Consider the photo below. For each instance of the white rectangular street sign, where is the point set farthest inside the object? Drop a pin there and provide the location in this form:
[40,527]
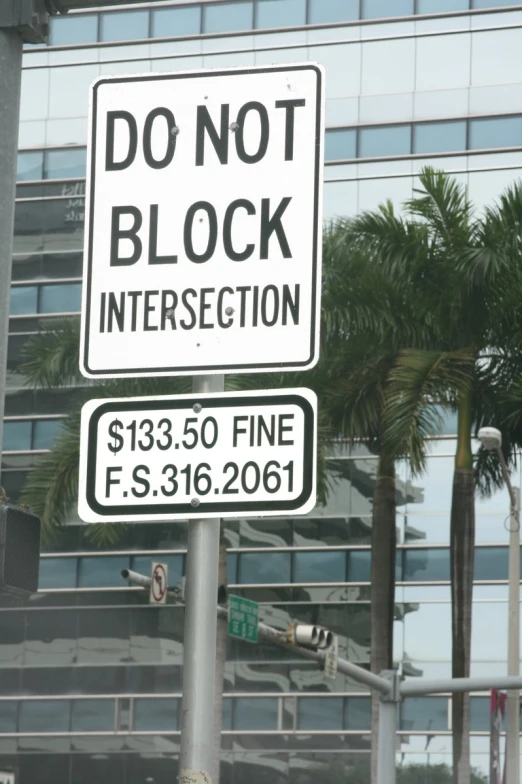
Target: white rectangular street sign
[211,455]
[203,222]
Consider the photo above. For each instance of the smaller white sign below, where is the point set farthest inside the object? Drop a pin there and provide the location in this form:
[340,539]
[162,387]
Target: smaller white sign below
[331,658]
[159,584]
[224,454]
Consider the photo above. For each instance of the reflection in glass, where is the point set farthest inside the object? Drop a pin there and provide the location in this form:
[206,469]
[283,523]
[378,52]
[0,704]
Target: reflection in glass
[16,436]
[44,716]
[29,166]
[62,298]
[424,713]
[92,716]
[24,299]
[439,137]
[385,140]
[441,6]
[358,713]
[359,566]
[73,29]
[255,713]
[495,132]
[333,11]
[228,17]
[176,21]
[156,714]
[60,164]
[280,13]
[8,716]
[376,9]
[45,432]
[98,572]
[57,573]
[320,713]
[340,144]
[491,563]
[124,25]
[426,565]
[264,568]
[320,567]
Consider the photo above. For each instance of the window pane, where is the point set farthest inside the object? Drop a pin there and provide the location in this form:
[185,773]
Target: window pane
[143,564]
[23,300]
[227,17]
[479,714]
[424,713]
[390,140]
[495,132]
[124,26]
[255,714]
[45,432]
[65,163]
[439,137]
[176,21]
[8,716]
[340,144]
[359,566]
[226,717]
[156,715]
[358,713]
[333,11]
[66,298]
[44,716]
[264,568]
[98,572]
[491,563]
[17,435]
[320,567]
[92,716]
[57,573]
[441,6]
[493,3]
[320,713]
[280,13]
[376,9]
[232,567]
[420,565]
[29,166]
[80,29]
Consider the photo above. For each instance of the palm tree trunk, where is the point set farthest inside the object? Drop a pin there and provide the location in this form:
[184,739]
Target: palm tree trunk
[221,657]
[382,591]
[462,543]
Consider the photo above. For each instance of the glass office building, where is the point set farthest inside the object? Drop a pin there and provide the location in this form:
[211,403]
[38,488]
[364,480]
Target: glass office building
[90,674]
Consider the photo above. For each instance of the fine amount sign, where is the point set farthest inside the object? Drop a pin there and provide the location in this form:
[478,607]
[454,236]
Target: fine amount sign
[202,243]
[211,455]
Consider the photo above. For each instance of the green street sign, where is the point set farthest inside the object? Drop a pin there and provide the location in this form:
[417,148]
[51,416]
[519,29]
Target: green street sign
[243,618]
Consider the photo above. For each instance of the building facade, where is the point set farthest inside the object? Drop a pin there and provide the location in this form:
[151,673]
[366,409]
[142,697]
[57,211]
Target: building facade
[90,673]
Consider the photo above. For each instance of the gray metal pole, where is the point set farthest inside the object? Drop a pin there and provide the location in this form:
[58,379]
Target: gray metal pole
[387,736]
[11,46]
[513,663]
[199,657]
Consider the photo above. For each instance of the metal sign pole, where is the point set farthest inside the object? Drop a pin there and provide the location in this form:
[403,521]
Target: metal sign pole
[199,656]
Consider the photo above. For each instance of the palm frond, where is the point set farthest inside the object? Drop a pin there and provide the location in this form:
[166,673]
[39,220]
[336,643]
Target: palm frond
[51,358]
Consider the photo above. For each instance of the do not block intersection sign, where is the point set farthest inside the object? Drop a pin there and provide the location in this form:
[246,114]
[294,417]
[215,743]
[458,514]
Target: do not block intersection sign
[203,222]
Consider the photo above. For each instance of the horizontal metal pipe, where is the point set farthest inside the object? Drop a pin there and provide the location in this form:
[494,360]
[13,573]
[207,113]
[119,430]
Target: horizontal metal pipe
[416,686]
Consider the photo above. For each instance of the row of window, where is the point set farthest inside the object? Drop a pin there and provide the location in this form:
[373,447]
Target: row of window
[242,714]
[46,298]
[262,568]
[227,17]
[423,138]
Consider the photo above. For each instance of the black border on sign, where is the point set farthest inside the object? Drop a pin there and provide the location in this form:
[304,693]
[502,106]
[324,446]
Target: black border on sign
[230,368]
[228,508]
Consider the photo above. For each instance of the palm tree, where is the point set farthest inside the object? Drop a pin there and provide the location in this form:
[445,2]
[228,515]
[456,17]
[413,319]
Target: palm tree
[464,270]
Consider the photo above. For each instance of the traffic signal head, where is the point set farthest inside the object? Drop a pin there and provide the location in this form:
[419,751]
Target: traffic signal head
[19,551]
[311,636]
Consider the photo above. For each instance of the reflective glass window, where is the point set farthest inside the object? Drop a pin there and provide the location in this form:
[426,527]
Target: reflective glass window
[156,714]
[226,716]
[491,563]
[424,713]
[255,713]
[227,17]
[426,565]
[320,713]
[232,567]
[320,567]
[24,299]
[340,144]
[66,298]
[124,26]
[16,436]
[57,573]
[359,566]
[45,432]
[264,568]
[386,140]
[495,132]
[73,29]
[441,6]
[357,713]
[377,9]
[333,11]
[493,3]
[439,137]
[479,714]
[8,716]
[176,21]
[98,572]
[92,716]
[280,13]
[44,716]
[29,166]
[60,164]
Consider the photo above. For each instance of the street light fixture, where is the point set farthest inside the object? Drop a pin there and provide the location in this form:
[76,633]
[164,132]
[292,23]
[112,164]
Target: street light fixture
[491,439]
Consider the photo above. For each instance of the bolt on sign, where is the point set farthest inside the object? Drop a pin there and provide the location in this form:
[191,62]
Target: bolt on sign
[243,618]
[203,236]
